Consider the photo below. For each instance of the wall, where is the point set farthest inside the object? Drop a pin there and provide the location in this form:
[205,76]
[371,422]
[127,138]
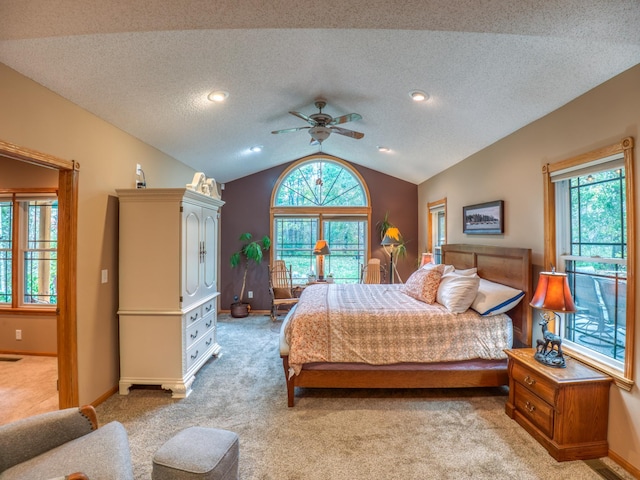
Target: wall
[33,117]
[38,331]
[247,210]
[511,170]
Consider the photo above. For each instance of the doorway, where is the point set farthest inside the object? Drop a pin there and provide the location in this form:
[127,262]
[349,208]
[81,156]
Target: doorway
[66,313]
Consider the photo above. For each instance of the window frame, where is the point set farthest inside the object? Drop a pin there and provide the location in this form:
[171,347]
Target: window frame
[321,213]
[625,147]
[19,227]
[433,228]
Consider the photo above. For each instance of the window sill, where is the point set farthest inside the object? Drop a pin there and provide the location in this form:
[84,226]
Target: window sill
[33,312]
[619,379]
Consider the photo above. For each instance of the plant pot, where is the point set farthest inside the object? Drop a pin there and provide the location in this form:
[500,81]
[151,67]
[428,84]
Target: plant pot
[240,309]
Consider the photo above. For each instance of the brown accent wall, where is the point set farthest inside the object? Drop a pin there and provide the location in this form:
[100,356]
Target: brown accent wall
[247,210]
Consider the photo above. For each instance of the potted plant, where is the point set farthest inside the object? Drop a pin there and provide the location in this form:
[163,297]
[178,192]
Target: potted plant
[250,252]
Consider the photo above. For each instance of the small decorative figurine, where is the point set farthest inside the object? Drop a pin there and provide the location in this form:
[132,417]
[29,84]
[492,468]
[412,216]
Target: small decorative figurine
[549,348]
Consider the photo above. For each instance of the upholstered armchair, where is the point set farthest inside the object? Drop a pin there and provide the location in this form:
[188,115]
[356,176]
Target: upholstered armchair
[64,444]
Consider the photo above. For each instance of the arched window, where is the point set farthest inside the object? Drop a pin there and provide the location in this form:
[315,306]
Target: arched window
[321,197]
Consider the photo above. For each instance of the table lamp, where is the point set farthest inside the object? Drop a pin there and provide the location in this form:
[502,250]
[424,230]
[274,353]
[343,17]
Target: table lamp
[321,249]
[391,239]
[427,258]
[552,295]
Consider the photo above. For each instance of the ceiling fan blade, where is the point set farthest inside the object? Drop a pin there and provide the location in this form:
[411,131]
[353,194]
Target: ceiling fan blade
[304,117]
[287,130]
[348,133]
[350,117]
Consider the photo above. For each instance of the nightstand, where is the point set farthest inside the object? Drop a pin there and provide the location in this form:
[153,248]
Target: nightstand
[565,409]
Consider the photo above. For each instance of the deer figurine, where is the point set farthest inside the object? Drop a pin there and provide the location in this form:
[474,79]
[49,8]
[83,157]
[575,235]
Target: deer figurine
[549,348]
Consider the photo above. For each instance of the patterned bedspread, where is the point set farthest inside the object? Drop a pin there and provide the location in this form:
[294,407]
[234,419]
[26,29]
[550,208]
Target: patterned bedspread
[380,325]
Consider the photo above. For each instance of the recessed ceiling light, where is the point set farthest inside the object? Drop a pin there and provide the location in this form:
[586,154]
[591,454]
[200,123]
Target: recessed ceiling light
[418,96]
[256,148]
[218,96]
[383,149]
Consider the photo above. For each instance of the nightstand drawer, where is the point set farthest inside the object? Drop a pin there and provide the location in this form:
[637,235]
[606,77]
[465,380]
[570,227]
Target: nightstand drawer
[535,382]
[536,410]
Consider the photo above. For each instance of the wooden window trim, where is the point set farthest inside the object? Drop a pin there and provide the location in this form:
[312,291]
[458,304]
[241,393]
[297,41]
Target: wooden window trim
[625,147]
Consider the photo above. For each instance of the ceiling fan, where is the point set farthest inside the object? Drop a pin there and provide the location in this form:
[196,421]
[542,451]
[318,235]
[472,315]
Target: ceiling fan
[321,124]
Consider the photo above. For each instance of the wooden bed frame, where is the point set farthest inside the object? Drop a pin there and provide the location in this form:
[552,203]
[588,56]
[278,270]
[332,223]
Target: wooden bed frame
[509,266]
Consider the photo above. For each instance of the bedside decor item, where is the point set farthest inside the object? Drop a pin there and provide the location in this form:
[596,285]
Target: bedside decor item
[427,258]
[483,218]
[251,251]
[321,249]
[391,239]
[552,295]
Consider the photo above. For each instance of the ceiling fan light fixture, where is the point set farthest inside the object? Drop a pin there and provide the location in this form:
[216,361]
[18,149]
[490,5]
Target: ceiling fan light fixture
[218,96]
[418,96]
[319,133]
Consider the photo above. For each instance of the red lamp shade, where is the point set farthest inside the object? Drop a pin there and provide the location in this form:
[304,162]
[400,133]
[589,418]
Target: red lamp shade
[553,293]
[426,258]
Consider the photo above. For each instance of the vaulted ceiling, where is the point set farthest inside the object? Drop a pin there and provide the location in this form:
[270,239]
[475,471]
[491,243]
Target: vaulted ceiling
[490,67]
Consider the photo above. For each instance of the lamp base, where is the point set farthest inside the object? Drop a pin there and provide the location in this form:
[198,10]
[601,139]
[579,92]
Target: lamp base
[551,359]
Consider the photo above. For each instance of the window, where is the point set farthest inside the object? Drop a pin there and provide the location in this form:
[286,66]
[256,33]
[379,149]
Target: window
[321,198]
[437,228]
[28,250]
[590,198]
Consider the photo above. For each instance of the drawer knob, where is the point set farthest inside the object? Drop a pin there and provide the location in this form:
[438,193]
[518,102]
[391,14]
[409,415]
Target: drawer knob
[194,318]
[208,342]
[208,308]
[530,407]
[194,335]
[529,381]
[209,324]
[194,355]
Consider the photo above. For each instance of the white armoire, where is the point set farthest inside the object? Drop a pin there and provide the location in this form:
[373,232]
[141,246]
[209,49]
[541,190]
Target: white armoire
[168,286]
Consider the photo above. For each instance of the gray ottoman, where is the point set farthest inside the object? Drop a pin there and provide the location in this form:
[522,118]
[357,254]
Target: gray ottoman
[198,453]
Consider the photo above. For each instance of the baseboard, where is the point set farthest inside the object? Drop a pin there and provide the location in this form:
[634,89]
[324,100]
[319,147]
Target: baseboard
[624,464]
[35,354]
[104,396]
[262,312]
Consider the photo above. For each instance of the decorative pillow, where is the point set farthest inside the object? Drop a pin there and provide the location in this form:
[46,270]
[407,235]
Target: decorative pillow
[447,268]
[423,283]
[279,293]
[494,298]
[457,292]
[468,271]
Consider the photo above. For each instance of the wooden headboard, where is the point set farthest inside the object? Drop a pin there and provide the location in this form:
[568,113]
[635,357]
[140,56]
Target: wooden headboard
[509,266]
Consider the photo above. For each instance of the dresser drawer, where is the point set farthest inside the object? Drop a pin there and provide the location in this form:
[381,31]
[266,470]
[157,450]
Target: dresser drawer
[195,331]
[538,384]
[200,349]
[535,409]
[208,307]
[193,315]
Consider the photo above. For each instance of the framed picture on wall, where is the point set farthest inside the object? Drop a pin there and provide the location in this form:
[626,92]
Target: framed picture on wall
[483,218]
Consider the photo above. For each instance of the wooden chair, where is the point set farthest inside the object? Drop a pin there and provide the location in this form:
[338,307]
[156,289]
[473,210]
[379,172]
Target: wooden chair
[372,272]
[280,287]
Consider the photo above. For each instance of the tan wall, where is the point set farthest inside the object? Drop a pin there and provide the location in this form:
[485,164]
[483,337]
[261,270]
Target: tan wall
[38,333]
[511,170]
[33,117]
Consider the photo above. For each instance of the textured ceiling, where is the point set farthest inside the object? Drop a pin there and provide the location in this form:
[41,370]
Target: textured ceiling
[490,66]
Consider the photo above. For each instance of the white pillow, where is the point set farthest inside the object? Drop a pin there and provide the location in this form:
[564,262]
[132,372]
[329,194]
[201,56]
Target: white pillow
[457,292]
[494,298]
[447,268]
[468,271]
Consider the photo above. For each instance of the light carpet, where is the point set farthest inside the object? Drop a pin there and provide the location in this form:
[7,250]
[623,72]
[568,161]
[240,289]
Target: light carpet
[335,434]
